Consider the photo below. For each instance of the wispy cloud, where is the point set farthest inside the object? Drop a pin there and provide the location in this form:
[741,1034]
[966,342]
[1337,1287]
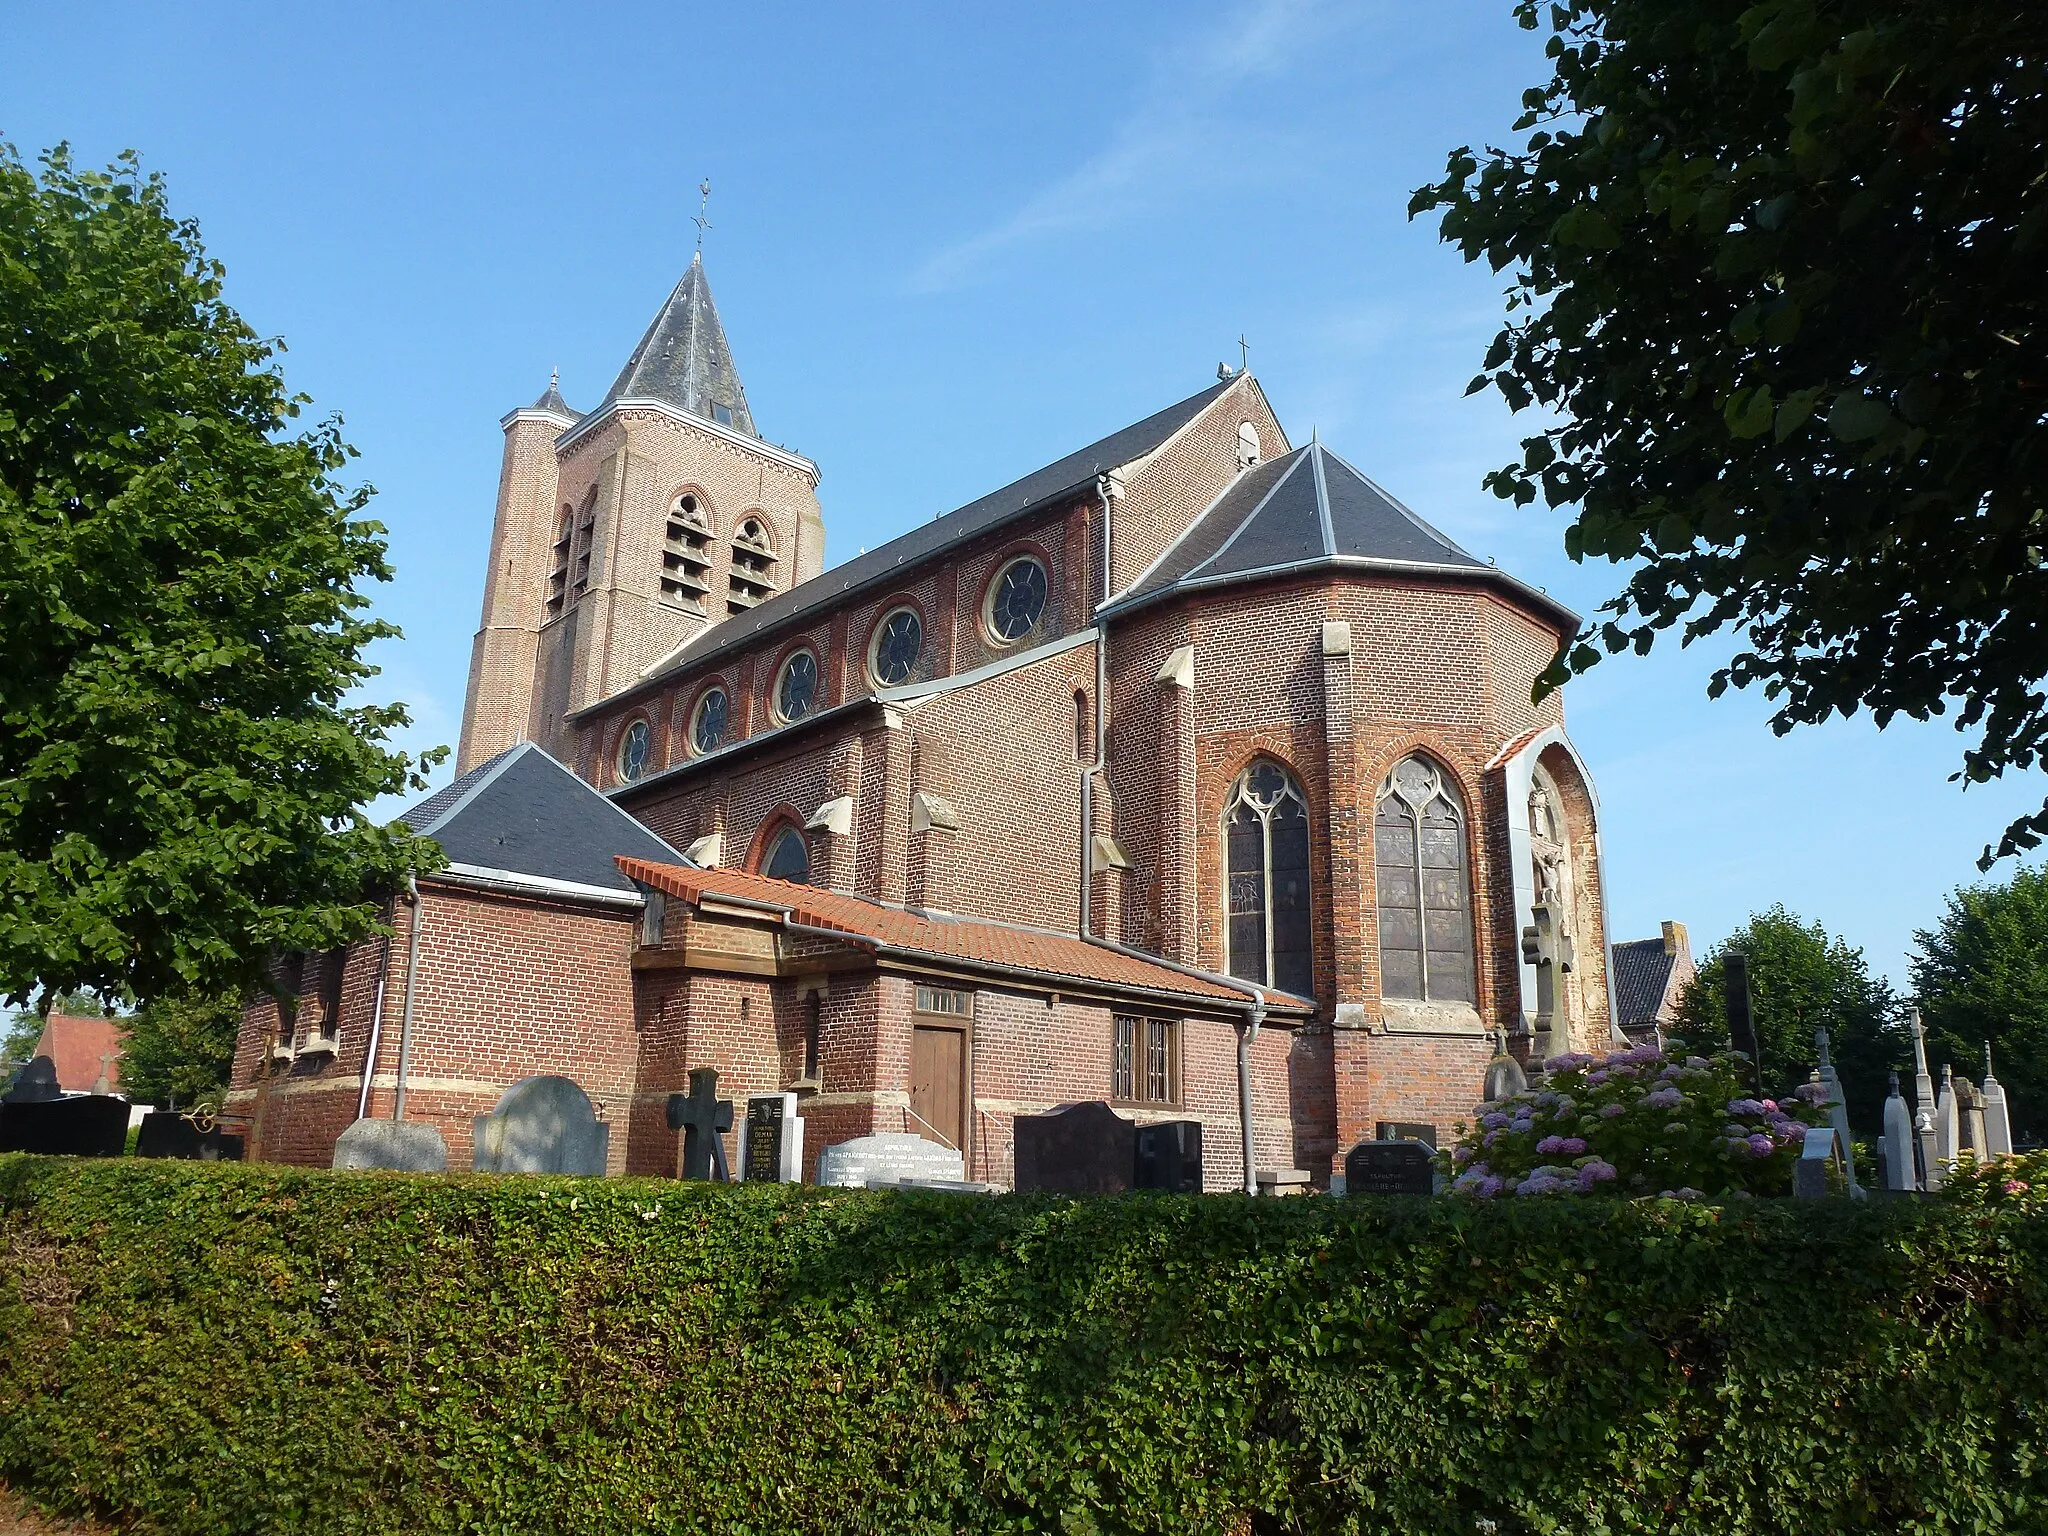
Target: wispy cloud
[1181,125]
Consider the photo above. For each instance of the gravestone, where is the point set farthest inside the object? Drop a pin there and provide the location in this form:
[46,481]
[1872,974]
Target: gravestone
[889,1158]
[1896,1145]
[1169,1156]
[404,1146]
[90,1125]
[1083,1149]
[1504,1079]
[35,1083]
[1817,1156]
[703,1118]
[1389,1168]
[1405,1130]
[542,1124]
[171,1133]
[772,1146]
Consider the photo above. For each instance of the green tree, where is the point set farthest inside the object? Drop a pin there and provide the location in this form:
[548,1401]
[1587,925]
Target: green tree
[1776,276]
[180,777]
[1801,979]
[1981,976]
[177,1050]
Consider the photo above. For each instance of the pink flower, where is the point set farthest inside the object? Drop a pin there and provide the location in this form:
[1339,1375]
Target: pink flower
[1762,1145]
[2017,1186]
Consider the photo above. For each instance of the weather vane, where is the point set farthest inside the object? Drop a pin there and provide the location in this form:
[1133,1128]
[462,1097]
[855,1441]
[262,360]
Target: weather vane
[699,218]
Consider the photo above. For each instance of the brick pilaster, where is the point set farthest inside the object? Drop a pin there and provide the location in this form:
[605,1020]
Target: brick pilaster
[1177,884]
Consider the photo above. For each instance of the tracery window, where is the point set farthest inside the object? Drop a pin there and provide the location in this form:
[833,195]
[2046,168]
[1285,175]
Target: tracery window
[633,750]
[899,640]
[1425,890]
[707,723]
[796,687]
[1016,600]
[1265,835]
[789,857]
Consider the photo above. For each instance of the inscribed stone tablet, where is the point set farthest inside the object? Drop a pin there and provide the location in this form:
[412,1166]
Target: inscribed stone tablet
[1389,1168]
[404,1145]
[542,1125]
[886,1158]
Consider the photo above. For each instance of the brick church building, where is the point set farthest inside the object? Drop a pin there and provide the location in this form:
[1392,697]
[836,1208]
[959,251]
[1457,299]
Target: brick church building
[1192,772]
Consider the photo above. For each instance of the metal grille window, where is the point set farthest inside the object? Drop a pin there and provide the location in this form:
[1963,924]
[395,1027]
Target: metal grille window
[707,725]
[796,688]
[1266,864]
[1425,893]
[898,643]
[1142,1068]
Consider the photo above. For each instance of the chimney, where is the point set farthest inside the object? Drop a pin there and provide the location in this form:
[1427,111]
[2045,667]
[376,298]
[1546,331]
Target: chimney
[1675,941]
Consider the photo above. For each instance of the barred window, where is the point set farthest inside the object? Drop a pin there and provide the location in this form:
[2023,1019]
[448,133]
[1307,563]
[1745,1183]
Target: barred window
[796,687]
[1144,1060]
[898,642]
[1425,891]
[1265,834]
[707,724]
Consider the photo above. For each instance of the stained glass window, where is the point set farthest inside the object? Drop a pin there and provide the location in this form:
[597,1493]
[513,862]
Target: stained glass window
[1016,600]
[789,857]
[898,644]
[1425,892]
[796,690]
[633,750]
[1266,874]
[707,728]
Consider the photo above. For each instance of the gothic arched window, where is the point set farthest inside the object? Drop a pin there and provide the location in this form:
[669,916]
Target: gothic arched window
[1265,848]
[789,857]
[1425,892]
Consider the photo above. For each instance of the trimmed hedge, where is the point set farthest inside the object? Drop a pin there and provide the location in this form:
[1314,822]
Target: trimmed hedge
[216,1348]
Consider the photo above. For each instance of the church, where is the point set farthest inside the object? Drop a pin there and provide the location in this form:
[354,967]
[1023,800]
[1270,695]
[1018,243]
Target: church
[1191,772]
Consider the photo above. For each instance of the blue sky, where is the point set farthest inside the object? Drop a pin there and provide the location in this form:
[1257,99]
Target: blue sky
[949,244]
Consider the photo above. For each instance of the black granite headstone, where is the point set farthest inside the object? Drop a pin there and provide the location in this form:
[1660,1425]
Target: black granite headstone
[1169,1156]
[167,1133]
[1389,1168]
[1084,1149]
[91,1125]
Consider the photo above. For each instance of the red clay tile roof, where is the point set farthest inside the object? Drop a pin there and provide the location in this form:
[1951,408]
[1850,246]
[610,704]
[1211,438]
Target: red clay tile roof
[76,1046]
[971,941]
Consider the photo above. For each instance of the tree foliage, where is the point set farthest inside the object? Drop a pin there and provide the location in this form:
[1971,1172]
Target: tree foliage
[180,777]
[177,1050]
[1801,978]
[1980,976]
[1777,272]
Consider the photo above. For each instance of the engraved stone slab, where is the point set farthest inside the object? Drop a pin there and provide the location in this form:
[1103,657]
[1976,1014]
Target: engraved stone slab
[404,1145]
[772,1145]
[889,1158]
[1389,1168]
[542,1125]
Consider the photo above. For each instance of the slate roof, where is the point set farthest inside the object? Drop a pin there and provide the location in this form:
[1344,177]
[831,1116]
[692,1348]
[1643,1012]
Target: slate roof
[887,562]
[75,1046]
[1642,970]
[683,359]
[968,942]
[525,814]
[1310,510]
[551,400]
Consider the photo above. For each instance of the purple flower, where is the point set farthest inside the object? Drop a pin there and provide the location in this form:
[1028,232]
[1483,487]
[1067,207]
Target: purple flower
[1762,1145]
[1490,1186]
[1540,1183]
[1698,1063]
[1813,1093]
[1490,1137]
[1494,1121]
[1625,1069]
[1611,1111]
[1670,1073]
[1571,1146]
[1550,1145]
[1746,1107]
[1461,1154]
[1686,1192]
[1666,1097]
[1595,1079]
[1594,1171]
[1564,1106]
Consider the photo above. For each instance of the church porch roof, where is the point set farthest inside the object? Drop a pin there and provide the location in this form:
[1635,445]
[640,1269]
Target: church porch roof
[971,944]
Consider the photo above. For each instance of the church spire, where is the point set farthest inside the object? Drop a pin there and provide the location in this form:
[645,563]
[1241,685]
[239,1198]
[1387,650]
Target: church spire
[683,359]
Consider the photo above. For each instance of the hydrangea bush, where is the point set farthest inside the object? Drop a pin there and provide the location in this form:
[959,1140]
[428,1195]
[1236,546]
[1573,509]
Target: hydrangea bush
[1645,1121]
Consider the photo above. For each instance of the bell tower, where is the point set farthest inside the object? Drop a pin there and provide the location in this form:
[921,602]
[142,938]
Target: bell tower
[625,533]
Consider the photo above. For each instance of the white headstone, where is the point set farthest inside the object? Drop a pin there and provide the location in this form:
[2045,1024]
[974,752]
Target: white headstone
[888,1158]
[772,1140]
[405,1145]
[1838,1112]
[1997,1119]
[543,1124]
[1816,1156]
[1898,1142]
[1925,1137]
[1948,1124]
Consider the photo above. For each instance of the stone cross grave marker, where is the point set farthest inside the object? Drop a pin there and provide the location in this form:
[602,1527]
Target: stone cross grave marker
[772,1146]
[703,1118]
[887,1159]
[1389,1168]
[1083,1149]
[543,1124]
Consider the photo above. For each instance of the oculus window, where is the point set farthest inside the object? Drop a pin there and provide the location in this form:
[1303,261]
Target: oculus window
[1265,848]
[1016,600]
[633,750]
[796,687]
[899,641]
[707,724]
[789,857]
[1425,890]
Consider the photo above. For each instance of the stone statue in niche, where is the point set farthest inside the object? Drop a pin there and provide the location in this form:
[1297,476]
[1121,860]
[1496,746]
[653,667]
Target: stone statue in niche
[1556,916]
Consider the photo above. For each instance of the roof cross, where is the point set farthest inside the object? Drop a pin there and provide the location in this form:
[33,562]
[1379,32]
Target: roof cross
[700,217]
[1244,354]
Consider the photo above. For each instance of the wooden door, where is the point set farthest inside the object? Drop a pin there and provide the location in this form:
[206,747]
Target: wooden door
[938,1084]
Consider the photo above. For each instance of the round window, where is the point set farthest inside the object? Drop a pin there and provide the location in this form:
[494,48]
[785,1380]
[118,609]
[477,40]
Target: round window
[796,687]
[789,857]
[633,750]
[707,726]
[1016,600]
[898,643]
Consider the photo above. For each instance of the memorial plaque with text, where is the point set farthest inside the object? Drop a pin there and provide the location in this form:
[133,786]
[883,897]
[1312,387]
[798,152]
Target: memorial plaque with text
[1389,1168]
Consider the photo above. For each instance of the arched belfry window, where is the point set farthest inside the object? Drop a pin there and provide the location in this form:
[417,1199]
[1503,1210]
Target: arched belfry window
[752,577]
[1265,847]
[1425,889]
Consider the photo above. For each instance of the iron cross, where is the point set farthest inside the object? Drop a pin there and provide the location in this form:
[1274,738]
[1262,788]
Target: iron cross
[699,218]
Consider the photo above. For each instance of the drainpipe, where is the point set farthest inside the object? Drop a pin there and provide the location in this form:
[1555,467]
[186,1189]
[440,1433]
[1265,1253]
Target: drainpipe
[412,977]
[376,1029]
[1091,769]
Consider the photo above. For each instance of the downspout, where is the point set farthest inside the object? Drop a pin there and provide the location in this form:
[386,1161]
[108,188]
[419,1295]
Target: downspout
[376,1028]
[1090,769]
[412,977]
